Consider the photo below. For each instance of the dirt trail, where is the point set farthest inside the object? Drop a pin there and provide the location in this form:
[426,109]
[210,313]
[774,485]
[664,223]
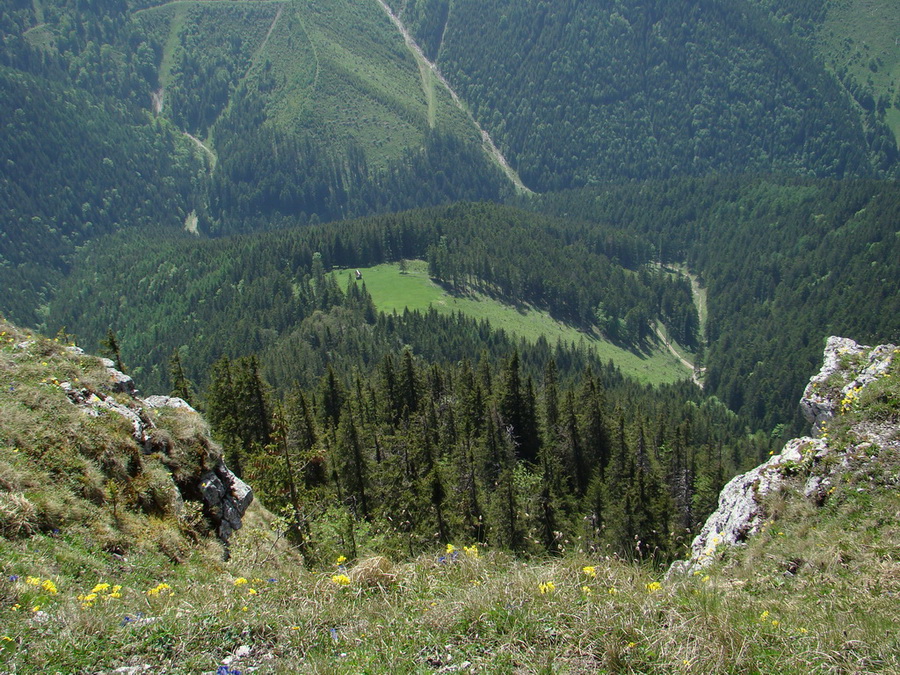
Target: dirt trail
[265,41]
[695,378]
[209,153]
[487,141]
[698,294]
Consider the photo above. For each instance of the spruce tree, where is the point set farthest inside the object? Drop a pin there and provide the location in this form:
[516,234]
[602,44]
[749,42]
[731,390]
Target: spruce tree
[182,387]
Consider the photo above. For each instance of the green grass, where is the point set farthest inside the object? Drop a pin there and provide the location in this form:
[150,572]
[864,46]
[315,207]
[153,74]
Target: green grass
[342,71]
[479,614]
[860,35]
[393,291]
[814,592]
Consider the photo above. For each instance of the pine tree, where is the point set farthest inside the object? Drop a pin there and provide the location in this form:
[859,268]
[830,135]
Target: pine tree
[221,410]
[254,424]
[332,395]
[594,434]
[109,347]
[517,411]
[352,466]
[408,386]
[182,387]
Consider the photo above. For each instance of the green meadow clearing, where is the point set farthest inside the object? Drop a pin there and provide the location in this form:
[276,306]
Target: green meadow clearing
[394,290]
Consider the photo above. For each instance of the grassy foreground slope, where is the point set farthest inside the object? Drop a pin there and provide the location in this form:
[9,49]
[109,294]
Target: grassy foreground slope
[814,593]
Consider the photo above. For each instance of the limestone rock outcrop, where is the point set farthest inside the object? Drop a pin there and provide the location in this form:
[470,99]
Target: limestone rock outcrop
[225,497]
[848,368]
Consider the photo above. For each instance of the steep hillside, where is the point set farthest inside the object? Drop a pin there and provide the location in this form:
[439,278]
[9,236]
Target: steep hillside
[290,120]
[576,92]
[81,453]
[74,167]
[857,40]
[813,591]
[786,263]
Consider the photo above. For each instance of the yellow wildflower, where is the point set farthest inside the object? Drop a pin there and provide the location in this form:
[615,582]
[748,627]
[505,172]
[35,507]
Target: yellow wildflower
[450,549]
[341,579]
[100,588]
[764,615]
[612,591]
[587,591]
[240,581]
[251,591]
[49,586]
[547,588]
[654,586]
[33,581]
[153,592]
[590,571]
[341,560]
[471,551]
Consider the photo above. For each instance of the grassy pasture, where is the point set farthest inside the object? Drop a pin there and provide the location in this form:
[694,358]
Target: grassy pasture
[863,36]
[393,291]
[339,70]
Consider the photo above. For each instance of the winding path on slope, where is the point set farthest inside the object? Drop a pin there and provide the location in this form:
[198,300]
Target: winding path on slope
[424,64]
[695,378]
[698,295]
[206,150]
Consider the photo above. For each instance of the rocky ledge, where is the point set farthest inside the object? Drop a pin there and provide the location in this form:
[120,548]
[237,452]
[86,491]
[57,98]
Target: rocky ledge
[848,370]
[224,496]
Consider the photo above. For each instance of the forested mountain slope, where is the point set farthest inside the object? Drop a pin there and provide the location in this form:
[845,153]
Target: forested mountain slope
[306,112]
[576,92]
[233,296]
[786,264]
[299,111]
[857,40]
[74,167]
